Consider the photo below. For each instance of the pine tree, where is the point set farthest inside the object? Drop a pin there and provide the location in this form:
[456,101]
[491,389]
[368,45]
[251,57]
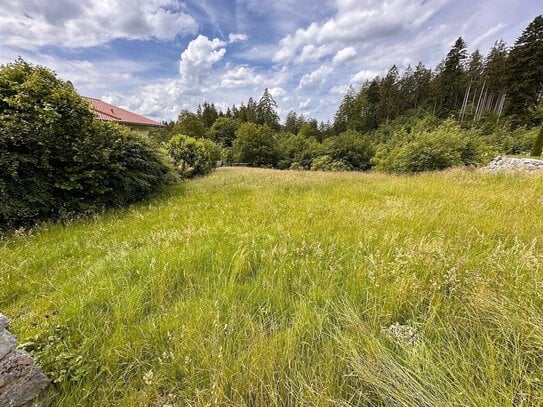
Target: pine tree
[291,123]
[525,73]
[422,77]
[450,81]
[407,90]
[345,112]
[251,111]
[388,106]
[266,111]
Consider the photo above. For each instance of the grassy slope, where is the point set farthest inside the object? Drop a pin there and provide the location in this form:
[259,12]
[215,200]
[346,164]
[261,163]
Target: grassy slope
[261,287]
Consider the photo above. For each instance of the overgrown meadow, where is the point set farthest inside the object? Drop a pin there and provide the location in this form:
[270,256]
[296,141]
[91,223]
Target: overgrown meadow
[272,288]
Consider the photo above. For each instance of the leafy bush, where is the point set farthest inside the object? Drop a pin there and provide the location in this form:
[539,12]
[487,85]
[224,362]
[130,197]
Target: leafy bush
[192,157]
[256,145]
[327,163]
[298,149]
[352,148]
[444,147]
[56,160]
[507,141]
[223,131]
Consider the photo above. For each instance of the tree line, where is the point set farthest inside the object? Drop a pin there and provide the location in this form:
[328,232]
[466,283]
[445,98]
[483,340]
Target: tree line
[506,83]
[501,89]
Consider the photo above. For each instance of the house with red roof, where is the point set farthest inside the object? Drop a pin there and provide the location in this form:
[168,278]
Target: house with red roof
[110,113]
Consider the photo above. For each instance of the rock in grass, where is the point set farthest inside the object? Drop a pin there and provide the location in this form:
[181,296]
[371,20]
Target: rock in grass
[514,164]
[22,383]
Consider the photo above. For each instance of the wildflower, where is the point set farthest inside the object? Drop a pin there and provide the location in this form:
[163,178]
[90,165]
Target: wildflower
[148,377]
[403,334]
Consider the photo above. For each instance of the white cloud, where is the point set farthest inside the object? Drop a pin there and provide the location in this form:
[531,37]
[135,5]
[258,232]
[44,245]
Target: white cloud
[339,90]
[358,21]
[315,78]
[240,76]
[305,105]
[364,75]
[344,55]
[198,80]
[29,24]
[236,37]
[491,33]
[199,57]
[277,92]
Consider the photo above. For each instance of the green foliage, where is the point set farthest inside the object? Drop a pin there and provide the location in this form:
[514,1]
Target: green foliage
[192,157]
[52,351]
[352,148]
[327,163]
[56,160]
[507,141]
[444,147]
[223,131]
[256,145]
[117,166]
[189,124]
[298,149]
[537,148]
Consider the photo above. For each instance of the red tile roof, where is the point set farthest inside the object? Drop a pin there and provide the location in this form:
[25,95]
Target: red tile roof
[105,111]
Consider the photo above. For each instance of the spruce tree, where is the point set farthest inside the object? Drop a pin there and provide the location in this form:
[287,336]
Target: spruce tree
[525,73]
[266,111]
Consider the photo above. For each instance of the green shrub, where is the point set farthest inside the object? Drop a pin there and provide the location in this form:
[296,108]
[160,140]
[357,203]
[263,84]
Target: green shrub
[327,163]
[299,150]
[507,141]
[351,148]
[444,147]
[56,160]
[192,157]
[256,145]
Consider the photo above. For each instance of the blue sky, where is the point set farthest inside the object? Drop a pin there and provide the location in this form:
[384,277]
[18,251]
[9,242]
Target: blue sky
[156,57]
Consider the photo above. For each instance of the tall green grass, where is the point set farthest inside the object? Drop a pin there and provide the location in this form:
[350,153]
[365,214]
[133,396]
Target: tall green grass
[267,288]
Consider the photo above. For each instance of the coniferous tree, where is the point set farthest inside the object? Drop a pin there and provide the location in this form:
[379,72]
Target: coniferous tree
[450,80]
[525,73]
[422,77]
[407,89]
[388,106]
[291,123]
[266,110]
[251,111]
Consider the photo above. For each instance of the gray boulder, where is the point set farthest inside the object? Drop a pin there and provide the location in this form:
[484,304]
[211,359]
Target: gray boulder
[22,383]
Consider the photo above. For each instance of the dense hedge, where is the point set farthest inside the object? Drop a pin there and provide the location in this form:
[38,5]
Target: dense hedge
[56,160]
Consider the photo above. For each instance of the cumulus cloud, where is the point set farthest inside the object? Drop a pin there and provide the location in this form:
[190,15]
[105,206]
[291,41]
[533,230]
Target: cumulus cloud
[29,24]
[344,55]
[315,78]
[277,92]
[358,21]
[364,75]
[240,76]
[199,57]
[197,81]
